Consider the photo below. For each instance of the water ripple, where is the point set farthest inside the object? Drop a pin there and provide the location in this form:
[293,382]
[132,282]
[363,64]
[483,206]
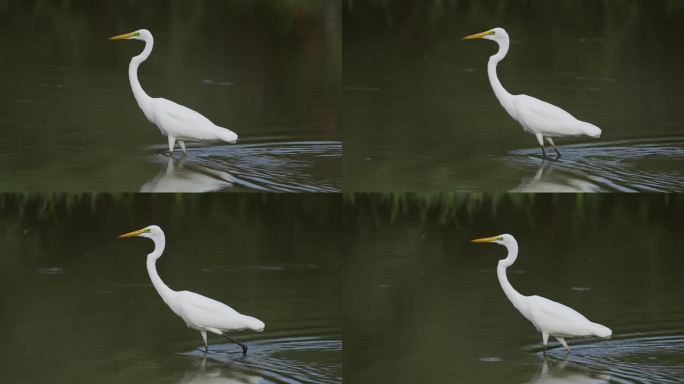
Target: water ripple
[633,358]
[278,360]
[654,165]
[303,166]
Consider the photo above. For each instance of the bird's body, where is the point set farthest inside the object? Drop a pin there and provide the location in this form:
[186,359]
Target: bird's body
[208,315]
[549,317]
[176,122]
[559,320]
[198,312]
[544,120]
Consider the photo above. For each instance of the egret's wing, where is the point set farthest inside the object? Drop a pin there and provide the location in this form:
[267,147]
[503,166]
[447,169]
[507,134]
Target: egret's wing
[205,312]
[558,319]
[182,122]
[180,112]
[542,117]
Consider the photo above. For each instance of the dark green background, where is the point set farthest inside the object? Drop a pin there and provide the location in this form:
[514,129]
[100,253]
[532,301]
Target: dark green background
[419,113]
[68,121]
[77,305]
[424,305]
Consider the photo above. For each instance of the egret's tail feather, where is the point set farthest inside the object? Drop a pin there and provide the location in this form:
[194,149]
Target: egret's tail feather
[600,330]
[590,130]
[228,136]
[254,324]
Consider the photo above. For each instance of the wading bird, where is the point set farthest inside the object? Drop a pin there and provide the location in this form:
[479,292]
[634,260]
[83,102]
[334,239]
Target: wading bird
[540,118]
[175,121]
[549,317]
[199,312]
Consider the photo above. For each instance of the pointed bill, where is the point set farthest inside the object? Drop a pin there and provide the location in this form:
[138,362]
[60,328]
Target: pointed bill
[125,36]
[480,35]
[486,240]
[134,233]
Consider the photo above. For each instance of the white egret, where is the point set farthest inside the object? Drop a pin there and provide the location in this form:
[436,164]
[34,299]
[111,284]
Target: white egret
[199,312]
[549,317]
[540,118]
[176,122]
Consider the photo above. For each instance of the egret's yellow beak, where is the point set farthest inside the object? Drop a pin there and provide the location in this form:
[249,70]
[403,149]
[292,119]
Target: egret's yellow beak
[487,240]
[480,35]
[125,36]
[134,233]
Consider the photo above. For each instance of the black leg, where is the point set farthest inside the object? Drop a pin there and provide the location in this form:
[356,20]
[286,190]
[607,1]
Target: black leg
[244,347]
[543,151]
[550,140]
[206,345]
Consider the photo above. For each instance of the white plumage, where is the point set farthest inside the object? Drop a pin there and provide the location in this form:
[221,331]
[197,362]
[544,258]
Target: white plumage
[560,320]
[202,313]
[176,122]
[199,312]
[538,117]
[549,317]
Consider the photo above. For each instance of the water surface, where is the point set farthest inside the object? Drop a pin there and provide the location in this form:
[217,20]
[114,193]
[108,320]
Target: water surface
[425,305]
[68,119]
[419,113]
[77,304]
[303,166]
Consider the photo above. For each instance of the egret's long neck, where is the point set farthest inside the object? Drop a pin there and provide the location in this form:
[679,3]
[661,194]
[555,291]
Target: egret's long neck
[165,292]
[513,295]
[500,92]
[140,96]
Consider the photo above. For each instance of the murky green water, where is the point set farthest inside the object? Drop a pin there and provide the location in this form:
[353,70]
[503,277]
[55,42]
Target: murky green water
[393,276]
[424,305]
[419,113]
[268,70]
[77,305]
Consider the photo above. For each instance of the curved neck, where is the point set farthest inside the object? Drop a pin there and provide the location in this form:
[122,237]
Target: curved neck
[500,92]
[140,96]
[513,295]
[164,291]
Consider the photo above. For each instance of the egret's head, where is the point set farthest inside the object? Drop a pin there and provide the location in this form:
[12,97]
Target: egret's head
[141,34]
[150,232]
[504,240]
[496,34]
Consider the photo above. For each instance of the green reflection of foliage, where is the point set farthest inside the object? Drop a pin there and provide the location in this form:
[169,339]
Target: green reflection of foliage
[55,206]
[460,209]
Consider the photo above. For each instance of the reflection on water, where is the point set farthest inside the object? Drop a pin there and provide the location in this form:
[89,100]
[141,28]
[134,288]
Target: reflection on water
[177,177]
[546,180]
[626,359]
[635,358]
[302,166]
[216,376]
[653,165]
[554,372]
[277,360]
